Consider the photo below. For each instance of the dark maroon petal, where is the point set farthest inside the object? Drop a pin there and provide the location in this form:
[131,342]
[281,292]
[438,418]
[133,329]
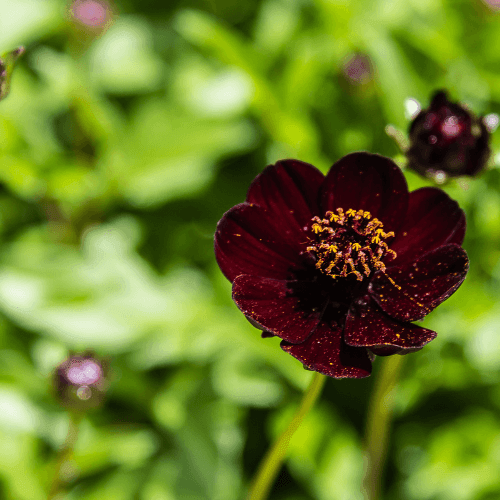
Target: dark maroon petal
[289,191]
[389,350]
[255,324]
[325,352]
[367,326]
[246,242]
[277,307]
[433,220]
[364,181]
[267,335]
[411,291]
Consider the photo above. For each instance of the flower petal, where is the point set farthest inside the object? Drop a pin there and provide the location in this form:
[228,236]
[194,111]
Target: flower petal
[364,181]
[367,326]
[325,352]
[411,291]
[389,350]
[433,220]
[247,242]
[289,191]
[277,306]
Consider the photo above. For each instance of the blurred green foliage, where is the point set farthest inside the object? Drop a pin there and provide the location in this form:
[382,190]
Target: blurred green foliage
[119,152]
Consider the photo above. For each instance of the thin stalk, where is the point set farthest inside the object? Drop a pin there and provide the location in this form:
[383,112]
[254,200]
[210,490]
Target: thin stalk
[64,455]
[273,460]
[379,423]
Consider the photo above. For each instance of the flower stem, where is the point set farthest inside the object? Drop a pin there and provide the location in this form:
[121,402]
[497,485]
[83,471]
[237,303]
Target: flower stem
[64,454]
[271,463]
[378,424]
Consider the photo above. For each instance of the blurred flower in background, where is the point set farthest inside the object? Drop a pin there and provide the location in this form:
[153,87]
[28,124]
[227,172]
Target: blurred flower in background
[81,381]
[358,69]
[91,16]
[447,140]
[492,4]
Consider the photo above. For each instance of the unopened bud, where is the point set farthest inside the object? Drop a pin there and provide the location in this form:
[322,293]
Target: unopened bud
[81,382]
[447,140]
[91,16]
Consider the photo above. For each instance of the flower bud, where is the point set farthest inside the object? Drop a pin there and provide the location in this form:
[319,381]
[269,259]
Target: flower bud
[91,16]
[494,5]
[81,382]
[447,140]
[358,69]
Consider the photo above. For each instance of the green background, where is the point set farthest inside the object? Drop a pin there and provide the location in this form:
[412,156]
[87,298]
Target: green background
[119,154]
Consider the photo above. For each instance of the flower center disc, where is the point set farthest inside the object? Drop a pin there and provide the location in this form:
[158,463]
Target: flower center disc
[349,243]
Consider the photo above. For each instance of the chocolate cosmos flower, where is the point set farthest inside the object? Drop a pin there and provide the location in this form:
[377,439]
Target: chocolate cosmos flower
[447,139]
[339,266]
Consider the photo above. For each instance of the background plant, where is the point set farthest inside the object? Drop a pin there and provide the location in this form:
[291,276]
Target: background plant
[119,152]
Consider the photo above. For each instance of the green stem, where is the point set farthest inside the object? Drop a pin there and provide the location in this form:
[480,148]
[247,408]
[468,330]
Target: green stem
[64,455]
[378,424]
[273,460]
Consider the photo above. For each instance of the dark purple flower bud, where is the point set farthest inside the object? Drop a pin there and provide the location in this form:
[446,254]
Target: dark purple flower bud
[447,140]
[81,381]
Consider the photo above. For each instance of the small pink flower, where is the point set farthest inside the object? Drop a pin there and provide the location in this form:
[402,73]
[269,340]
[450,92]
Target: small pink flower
[492,4]
[80,381]
[358,69]
[94,15]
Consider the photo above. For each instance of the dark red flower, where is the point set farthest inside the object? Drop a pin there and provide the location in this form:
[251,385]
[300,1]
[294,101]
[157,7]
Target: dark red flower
[81,381]
[339,266]
[447,140]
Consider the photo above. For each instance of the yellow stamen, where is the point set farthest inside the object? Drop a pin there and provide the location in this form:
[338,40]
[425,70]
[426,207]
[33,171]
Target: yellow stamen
[332,216]
[317,228]
[350,242]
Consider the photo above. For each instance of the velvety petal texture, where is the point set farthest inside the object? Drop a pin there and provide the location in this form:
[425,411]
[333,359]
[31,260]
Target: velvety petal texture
[276,306]
[367,326]
[412,291]
[364,181]
[289,193]
[433,220]
[325,352]
[265,235]
[339,266]
[247,242]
